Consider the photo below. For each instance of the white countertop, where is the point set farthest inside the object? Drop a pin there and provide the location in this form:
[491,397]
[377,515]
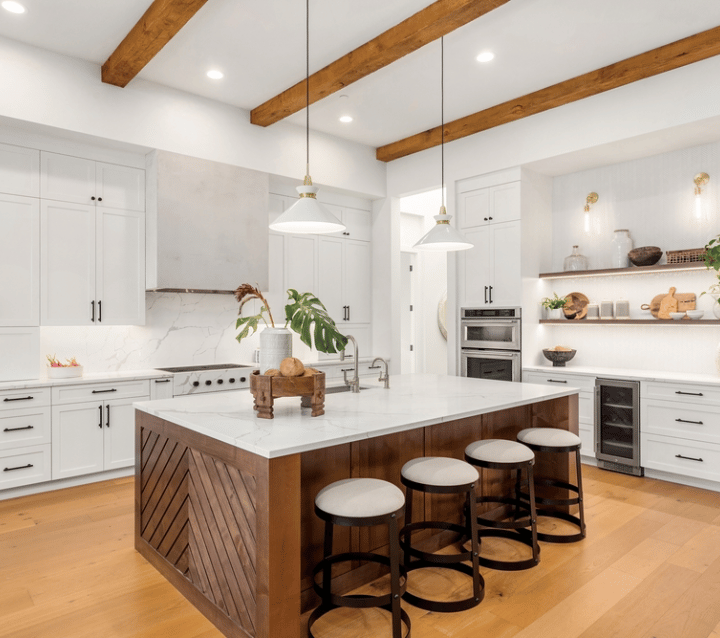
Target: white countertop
[413,401]
[94,377]
[628,373]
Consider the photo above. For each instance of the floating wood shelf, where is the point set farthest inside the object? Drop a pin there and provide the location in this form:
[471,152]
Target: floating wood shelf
[635,270]
[620,322]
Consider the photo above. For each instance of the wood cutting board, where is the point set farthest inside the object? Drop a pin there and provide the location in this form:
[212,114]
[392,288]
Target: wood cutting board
[686,301]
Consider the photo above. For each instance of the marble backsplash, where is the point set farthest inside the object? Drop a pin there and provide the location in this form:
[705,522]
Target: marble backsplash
[180,329]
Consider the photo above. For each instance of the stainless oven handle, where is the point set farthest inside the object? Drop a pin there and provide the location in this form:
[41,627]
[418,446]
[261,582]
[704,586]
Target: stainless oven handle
[490,322]
[496,354]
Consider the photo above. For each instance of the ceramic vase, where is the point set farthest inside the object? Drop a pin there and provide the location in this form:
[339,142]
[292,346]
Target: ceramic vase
[622,244]
[555,313]
[275,345]
[716,306]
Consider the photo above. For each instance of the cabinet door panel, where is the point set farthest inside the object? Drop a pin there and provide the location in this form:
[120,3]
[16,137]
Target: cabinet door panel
[474,208]
[120,186]
[19,261]
[505,246]
[475,268]
[67,179]
[67,275]
[505,203]
[330,277]
[19,170]
[77,440]
[358,224]
[300,256]
[357,281]
[119,420]
[120,274]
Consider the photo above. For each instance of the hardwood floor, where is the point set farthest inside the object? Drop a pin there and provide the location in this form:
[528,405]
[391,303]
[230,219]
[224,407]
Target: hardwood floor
[649,568]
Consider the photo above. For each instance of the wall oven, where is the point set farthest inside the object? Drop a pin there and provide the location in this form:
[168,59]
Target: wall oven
[490,343]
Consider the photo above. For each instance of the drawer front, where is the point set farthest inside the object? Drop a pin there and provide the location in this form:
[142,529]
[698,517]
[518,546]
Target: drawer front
[586,406]
[680,456]
[586,432]
[62,395]
[22,428]
[560,379]
[24,466]
[698,394]
[29,397]
[682,420]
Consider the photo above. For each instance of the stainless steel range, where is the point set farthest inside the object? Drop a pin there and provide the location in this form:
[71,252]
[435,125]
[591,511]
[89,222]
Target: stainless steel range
[220,377]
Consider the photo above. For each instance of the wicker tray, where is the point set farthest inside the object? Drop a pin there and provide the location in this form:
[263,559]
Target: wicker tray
[688,256]
[266,389]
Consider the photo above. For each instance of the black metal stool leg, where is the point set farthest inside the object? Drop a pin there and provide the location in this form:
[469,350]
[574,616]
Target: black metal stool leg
[327,567]
[533,513]
[408,520]
[581,505]
[395,577]
[478,592]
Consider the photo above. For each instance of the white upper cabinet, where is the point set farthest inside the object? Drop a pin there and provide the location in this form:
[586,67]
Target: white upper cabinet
[19,170]
[19,261]
[344,284]
[491,205]
[65,178]
[358,223]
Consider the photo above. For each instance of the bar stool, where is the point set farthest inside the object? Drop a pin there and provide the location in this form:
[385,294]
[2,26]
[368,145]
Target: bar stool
[500,454]
[556,441]
[440,475]
[361,502]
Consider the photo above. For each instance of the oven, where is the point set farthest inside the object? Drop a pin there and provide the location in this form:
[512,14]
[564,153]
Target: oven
[490,343]
[201,379]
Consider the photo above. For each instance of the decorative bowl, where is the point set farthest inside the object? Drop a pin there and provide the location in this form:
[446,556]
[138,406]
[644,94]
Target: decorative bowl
[558,357]
[645,255]
[65,372]
[695,314]
[677,315]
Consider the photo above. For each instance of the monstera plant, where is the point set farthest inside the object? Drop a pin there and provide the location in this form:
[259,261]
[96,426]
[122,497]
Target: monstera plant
[304,313]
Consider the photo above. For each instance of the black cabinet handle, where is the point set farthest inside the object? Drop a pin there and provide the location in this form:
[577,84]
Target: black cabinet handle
[163,380]
[99,310]
[93,198]
[689,458]
[100,422]
[490,218]
[486,294]
[490,288]
[92,305]
[102,391]
[348,313]
[347,369]
[25,427]
[21,467]
[556,381]
[374,367]
[99,199]
[107,419]
[19,399]
[692,394]
[685,421]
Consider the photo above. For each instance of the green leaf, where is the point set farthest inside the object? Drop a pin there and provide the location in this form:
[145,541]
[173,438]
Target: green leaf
[310,319]
[249,323]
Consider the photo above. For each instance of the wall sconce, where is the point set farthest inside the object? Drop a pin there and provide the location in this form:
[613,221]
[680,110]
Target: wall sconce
[590,199]
[699,207]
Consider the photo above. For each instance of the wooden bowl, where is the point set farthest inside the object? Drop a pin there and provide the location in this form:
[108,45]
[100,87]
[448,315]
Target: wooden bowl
[645,256]
[576,306]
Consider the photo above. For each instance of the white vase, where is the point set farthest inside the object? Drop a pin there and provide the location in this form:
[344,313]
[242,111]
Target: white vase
[555,313]
[716,306]
[622,244]
[275,345]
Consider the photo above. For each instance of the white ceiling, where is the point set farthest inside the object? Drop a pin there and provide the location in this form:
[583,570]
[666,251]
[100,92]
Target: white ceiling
[260,46]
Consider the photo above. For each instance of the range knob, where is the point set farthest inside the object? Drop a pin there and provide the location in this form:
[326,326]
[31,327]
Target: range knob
[231,380]
[208,382]
[220,381]
[196,383]
[242,379]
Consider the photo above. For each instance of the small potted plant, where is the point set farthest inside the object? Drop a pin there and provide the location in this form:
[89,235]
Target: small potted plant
[554,306]
[712,261]
[305,314]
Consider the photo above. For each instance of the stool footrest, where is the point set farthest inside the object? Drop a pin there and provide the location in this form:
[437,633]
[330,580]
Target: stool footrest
[561,538]
[437,559]
[521,536]
[324,608]
[522,507]
[446,606]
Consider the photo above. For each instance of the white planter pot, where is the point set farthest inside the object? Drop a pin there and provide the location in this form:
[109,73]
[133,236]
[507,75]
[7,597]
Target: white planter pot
[555,313]
[275,345]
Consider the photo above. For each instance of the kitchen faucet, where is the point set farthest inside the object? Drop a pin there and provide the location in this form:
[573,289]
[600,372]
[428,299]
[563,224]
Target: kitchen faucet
[382,377]
[355,382]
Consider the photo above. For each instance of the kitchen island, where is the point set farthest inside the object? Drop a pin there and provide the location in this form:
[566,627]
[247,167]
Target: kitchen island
[224,500]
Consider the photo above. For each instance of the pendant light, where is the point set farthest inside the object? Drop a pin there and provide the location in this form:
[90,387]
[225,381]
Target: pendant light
[307,215]
[442,236]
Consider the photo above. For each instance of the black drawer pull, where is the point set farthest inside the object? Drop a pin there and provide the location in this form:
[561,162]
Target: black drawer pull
[693,422]
[25,427]
[21,467]
[689,458]
[101,391]
[20,399]
[100,422]
[107,420]
[374,367]
[692,394]
[163,380]
[556,381]
[347,369]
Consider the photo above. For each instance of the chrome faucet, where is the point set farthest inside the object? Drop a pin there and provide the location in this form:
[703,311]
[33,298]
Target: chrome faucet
[355,382]
[383,376]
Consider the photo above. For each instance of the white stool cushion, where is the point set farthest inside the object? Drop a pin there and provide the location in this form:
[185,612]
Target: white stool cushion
[439,471]
[499,451]
[548,437]
[360,497]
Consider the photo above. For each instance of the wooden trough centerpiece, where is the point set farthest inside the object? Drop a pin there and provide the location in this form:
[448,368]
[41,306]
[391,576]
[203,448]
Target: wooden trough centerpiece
[266,388]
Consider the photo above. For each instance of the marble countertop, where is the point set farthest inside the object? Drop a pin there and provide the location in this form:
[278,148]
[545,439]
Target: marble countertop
[628,373]
[413,401]
[93,377]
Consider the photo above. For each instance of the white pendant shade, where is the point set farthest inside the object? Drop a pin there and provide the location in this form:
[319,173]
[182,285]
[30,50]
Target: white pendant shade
[307,215]
[442,237]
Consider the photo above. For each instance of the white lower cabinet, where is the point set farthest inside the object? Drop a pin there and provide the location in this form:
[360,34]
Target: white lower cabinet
[24,466]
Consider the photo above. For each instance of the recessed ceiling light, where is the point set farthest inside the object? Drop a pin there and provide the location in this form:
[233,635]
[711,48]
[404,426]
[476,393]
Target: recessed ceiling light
[13,7]
[215,74]
[485,56]
[346,118]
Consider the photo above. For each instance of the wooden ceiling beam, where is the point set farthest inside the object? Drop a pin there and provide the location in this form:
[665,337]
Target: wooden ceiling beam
[162,20]
[665,58]
[432,22]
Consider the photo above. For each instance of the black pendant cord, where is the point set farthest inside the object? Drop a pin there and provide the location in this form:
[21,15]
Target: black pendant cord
[307,87]
[442,120]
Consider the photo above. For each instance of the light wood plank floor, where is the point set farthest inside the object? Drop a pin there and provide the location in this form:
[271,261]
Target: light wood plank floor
[649,568]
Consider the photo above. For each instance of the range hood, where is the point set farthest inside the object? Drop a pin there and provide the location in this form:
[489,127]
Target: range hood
[206,225]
